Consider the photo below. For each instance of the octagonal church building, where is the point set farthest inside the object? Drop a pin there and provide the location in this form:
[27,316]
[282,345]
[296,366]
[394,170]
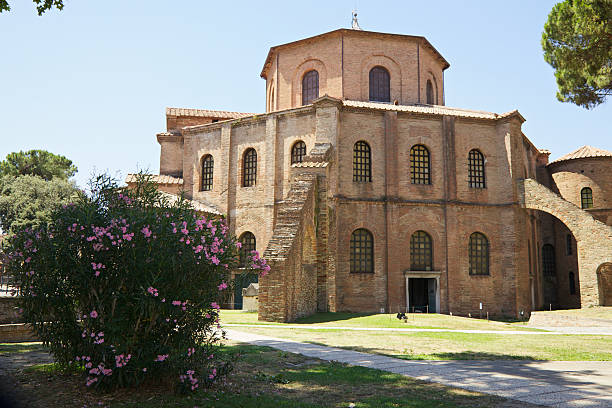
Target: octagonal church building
[366,193]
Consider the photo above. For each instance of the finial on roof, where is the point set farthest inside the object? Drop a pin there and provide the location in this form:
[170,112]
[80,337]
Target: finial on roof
[355,25]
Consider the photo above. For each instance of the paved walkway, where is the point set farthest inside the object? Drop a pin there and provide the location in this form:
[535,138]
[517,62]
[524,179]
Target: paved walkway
[552,330]
[550,383]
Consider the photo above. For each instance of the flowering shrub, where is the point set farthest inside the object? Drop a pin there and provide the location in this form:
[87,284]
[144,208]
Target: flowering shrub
[128,286]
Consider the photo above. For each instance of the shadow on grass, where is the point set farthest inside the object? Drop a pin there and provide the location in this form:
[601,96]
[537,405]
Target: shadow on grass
[324,317]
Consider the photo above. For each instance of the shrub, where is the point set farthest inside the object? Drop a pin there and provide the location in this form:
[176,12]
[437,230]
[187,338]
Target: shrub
[128,285]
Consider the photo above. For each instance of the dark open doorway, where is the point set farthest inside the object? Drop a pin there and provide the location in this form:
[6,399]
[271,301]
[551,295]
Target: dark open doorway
[422,295]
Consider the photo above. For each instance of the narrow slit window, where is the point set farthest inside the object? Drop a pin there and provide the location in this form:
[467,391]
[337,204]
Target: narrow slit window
[247,239]
[310,87]
[476,169]
[249,170]
[479,254]
[548,260]
[207,173]
[362,162]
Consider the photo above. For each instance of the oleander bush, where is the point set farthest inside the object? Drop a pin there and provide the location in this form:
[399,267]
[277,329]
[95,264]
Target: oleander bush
[127,285]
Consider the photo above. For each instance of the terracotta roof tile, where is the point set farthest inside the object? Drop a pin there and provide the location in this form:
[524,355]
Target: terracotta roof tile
[156,178]
[310,164]
[206,113]
[430,109]
[196,204]
[584,152]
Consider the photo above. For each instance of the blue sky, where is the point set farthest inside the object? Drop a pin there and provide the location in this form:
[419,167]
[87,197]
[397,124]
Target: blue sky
[91,82]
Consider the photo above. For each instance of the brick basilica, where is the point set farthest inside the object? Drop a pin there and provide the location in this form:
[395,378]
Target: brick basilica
[366,193]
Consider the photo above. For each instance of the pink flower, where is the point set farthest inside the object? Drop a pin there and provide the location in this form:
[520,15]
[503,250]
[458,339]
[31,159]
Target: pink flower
[214,305]
[223,286]
[146,231]
[161,357]
[93,314]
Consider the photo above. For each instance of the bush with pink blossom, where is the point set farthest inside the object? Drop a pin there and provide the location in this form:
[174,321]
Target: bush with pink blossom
[127,285]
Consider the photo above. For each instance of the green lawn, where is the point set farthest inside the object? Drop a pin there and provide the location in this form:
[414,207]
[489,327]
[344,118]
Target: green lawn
[595,312]
[455,346]
[415,320]
[6,348]
[264,378]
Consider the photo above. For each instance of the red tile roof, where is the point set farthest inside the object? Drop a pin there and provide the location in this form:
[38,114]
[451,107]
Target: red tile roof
[206,113]
[584,152]
[156,178]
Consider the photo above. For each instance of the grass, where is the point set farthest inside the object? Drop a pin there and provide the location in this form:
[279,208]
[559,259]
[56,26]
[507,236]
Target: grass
[595,312]
[414,321]
[265,378]
[456,346]
[11,348]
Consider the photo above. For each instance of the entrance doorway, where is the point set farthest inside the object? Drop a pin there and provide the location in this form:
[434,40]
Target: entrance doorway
[422,291]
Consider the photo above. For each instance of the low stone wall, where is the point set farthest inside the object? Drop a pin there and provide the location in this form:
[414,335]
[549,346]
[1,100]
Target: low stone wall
[16,333]
[9,311]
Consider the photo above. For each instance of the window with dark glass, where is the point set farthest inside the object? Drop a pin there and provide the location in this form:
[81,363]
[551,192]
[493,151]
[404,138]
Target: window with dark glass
[421,252]
[572,283]
[586,197]
[298,151]
[568,244]
[476,169]
[479,254]
[249,168]
[380,85]
[247,240]
[207,173]
[548,260]
[310,87]
[430,93]
[362,162]
[362,251]
[419,165]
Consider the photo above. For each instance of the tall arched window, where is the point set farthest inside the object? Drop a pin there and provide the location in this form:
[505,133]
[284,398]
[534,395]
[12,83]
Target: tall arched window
[568,244]
[548,260]
[572,283]
[298,151]
[207,173]
[419,165]
[249,168]
[586,197]
[421,252]
[362,162]
[247,239]
[430,93]
[362,251]
[380,85]
[476,169]
[478,249]
[310,87]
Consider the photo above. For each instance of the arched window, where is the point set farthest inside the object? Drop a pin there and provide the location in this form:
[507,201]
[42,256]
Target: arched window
[362,162]
[380,88]
[586,197]
[310,87]
[568,244]
[419,165]
[247,239]
[548,260]
[298,151]
[362,251]
[476,169]
[207,173]
[249,168]
[430,93]
[421,252]
[478,249]
[572,283]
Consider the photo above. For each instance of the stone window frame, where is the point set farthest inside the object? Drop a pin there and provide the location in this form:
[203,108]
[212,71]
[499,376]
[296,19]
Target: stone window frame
[361,251]
[362,162]
[298,151]
[249,244]
[477,169]
[249,167]
[310,86]
[395,71]
[421,249]
[207,171]
[586,198]
[549,267]
[479,254]
[420,164]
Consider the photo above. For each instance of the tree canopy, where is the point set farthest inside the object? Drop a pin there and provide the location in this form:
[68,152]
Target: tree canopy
[577,43]
[41,5]
[39,163]
[29,201]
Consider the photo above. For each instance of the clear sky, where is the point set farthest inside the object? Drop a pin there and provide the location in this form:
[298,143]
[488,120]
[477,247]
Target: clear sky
[91,82]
